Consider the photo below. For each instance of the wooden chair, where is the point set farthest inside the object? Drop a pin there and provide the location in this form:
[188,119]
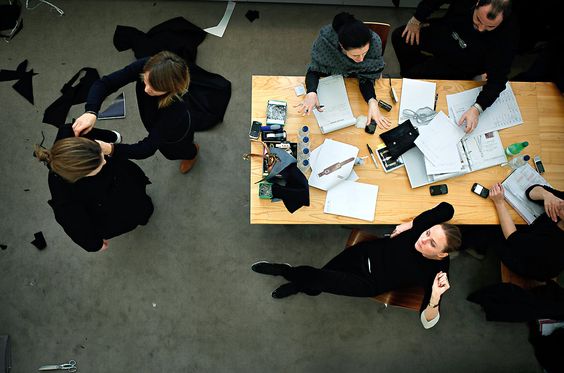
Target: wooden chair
[409,298]
[382,29]
[513,278]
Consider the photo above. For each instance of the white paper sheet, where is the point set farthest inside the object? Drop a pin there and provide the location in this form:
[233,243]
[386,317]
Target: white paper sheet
[483,150]
[222,25]
[438,142]
[337,112]
[416,94]
[326,155]
[503,113]
[355,200]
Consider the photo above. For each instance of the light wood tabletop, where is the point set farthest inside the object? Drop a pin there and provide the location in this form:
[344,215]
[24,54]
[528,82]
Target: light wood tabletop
[542,109]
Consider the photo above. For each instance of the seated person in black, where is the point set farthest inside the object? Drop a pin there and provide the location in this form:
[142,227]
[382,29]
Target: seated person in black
[94,198]
[346,47]
[416,254]
[475,37]
[534,251]
[160,82]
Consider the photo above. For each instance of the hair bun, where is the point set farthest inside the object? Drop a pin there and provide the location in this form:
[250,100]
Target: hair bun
[341,19]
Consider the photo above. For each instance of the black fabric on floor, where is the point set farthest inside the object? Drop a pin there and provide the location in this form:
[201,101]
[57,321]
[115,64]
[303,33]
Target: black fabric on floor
[72,94]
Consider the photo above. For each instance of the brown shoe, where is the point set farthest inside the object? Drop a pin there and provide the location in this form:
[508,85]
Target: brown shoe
[187,164]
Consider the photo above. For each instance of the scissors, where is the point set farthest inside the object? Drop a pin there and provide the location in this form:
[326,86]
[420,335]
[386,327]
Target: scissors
[70,366]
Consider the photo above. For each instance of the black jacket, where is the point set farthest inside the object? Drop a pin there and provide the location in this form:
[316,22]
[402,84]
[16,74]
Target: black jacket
[102,206]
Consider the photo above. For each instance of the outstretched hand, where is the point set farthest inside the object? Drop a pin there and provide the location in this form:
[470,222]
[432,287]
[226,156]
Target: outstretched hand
[552,205]
[411,31]
[471,118]
[83,124]
[497,193]
[401,228]
[374,113]
[310,102]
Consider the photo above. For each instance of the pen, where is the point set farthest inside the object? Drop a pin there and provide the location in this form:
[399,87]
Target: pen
[372,155]
[436,99]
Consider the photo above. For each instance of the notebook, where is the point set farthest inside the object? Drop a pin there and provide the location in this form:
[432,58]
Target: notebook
[116,110]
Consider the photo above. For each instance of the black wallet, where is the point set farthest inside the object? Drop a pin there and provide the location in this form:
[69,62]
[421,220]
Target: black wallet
[400,139]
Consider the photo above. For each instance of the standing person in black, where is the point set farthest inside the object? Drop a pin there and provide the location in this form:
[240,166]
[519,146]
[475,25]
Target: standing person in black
[534,251]
[416,254]
[346,47]
[94,198]
[475,37]
[160,82]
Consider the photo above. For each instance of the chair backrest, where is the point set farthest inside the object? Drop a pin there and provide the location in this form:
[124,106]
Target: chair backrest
[511,277]
[382,29]
[410,298]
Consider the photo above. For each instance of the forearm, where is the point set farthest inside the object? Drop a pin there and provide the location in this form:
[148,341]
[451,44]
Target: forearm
[430,315]
[538,193]
[312,81]
[507,224]
[426,8]
[367,89]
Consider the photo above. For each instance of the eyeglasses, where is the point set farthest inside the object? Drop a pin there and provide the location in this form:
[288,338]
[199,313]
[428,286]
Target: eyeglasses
[422,116]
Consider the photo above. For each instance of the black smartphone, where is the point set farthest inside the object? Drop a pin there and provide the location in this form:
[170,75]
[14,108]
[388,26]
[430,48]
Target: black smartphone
[371,128]
[437,190]
[480,190]
[255,130]
[538,164]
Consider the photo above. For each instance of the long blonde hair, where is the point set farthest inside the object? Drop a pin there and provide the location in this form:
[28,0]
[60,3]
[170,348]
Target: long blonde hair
[72,158]
[168,73]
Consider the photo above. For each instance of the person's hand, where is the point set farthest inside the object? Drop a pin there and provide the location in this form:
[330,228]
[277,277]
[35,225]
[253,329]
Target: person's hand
[471,118]
[440,286]
[107,148]
[310,102]
[105,245]
[401,228]
[411,31]
[552,205]
[497,193]
[374,113]
[83,124]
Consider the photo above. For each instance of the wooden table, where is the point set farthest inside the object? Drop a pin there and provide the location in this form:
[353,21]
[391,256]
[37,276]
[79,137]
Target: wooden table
[542,108]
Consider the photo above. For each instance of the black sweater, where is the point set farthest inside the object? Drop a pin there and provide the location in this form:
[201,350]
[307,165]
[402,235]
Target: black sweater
[170,129]
[397,264]
[494,50]
[102,206]
[536,250]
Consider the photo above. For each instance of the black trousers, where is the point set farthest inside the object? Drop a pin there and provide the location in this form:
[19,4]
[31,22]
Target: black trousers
[438,55]
[345,274]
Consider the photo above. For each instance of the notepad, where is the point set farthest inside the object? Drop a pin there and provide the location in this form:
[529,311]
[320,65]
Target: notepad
[337,112]
[352,199]
[515,186]
[116,110]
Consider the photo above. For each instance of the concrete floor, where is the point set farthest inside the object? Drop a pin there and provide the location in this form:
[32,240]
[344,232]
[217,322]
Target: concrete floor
[177,295]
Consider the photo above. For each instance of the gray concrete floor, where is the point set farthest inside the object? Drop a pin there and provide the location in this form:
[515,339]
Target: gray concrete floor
[177,295]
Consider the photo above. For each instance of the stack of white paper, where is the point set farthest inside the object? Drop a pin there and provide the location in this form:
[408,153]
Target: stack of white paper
[503,113]
[416,94]
[344,196]
[438,142]
[337,112]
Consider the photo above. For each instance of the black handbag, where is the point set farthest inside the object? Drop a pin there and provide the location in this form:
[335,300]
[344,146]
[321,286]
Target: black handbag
[400,139]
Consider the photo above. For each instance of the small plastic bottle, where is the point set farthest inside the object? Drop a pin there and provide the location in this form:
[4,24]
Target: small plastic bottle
[516,148]
[303,148]
[303,165]
[517,162]
[303,132]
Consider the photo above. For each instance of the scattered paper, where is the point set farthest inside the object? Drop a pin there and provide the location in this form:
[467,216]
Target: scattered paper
[337,112]
[222,25]
[355,200]
[515,186]
[416,94]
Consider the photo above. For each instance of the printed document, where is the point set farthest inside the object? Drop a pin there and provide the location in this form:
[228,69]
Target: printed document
[503,113]
[483,150]
[355,200]
[337,112]
[416,94]
[515,186]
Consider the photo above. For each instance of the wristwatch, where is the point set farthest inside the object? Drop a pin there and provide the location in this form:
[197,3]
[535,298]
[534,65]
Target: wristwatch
[433,305]
[478,107]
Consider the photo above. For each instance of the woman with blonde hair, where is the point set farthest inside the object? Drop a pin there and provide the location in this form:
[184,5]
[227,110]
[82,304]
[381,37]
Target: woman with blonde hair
[160,82]
[94,198]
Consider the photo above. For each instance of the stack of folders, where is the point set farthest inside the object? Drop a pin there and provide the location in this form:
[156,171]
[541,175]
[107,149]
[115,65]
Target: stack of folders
[515,186]
[337,112]
[332,170]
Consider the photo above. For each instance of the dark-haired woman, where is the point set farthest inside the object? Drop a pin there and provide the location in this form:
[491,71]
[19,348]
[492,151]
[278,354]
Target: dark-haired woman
[346,47]
[94,198]
[416,254]
[160,82]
